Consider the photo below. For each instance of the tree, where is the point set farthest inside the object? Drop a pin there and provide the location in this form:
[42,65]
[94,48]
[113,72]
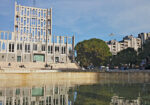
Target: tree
[92,52]
[144,53]
[127,56]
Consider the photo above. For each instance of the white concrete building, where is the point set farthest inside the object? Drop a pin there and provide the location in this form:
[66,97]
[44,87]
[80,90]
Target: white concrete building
[32,39]
[128,41]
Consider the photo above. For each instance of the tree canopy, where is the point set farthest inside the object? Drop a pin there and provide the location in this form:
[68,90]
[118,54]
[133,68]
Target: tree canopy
[145,51]
[92,52]
[127,56]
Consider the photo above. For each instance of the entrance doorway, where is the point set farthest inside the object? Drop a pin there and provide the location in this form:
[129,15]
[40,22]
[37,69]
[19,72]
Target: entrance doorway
[18,58]
[56,59]
[39,58]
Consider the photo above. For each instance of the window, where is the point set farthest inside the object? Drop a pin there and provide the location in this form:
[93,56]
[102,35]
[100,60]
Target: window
[39,21]
[25,10]
[63,50]
[11,47]
[27,20]
[36,31]
[22,12]
[41,24]
[41,12]
[27,48]
[35,47]
[24,30]
[44,23]
[43,47]
[27,13]
[41,31]
[24,22]
[50,49]
[44,15]
[17,8]
[21,20]
[19,46]
[56,49]
[70,49]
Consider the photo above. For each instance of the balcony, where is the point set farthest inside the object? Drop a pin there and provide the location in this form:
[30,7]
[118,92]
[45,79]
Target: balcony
[49,17]
[49,26]
[16,24]
[17,14]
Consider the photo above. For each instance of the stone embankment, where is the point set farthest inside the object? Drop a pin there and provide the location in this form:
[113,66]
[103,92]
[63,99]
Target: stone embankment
[37,66]
[71,78]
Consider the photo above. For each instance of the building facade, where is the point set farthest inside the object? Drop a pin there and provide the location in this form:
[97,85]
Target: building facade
[116,100]
[128,41]
[32,39]
[44,95]
[144,37]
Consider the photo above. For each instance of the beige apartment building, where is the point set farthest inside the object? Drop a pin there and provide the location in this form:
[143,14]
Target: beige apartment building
[32,39]
[128,41]
[116,100]
[144,37]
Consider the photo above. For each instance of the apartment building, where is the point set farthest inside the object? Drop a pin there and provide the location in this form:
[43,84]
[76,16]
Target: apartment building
[116,100]
[128,41]
[144,37]
[32,39]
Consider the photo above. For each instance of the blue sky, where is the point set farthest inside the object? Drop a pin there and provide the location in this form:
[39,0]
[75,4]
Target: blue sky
[88,18]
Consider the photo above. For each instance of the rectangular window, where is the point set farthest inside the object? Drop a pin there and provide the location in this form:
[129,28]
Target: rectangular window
[64,50]
[22,20]
[48,49]
[22,12]
[12,47]
[56,49]
[20,46]
[17,46]
[25,10]
[27,13]
[27,20]
[39,14]
[44,15]
[35,47]
[9,47]
[41,24]
[39,21]
[27,48]
[43,47]
[51,49]
[41,32]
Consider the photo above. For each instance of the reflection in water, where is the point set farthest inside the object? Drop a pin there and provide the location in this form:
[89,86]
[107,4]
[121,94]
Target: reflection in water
[113,94]
[46,95]
[121,101]
[75,89]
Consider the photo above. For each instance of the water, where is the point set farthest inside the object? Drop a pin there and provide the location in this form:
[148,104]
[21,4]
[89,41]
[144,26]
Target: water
[97,89]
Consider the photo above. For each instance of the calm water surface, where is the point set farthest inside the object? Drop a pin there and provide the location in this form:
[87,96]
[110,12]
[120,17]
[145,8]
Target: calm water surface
[101,91]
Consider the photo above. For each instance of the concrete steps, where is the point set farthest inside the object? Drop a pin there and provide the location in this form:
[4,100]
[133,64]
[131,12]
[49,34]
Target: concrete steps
[37,66]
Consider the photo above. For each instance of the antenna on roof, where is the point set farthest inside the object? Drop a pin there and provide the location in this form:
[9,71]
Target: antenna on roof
[111,34]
